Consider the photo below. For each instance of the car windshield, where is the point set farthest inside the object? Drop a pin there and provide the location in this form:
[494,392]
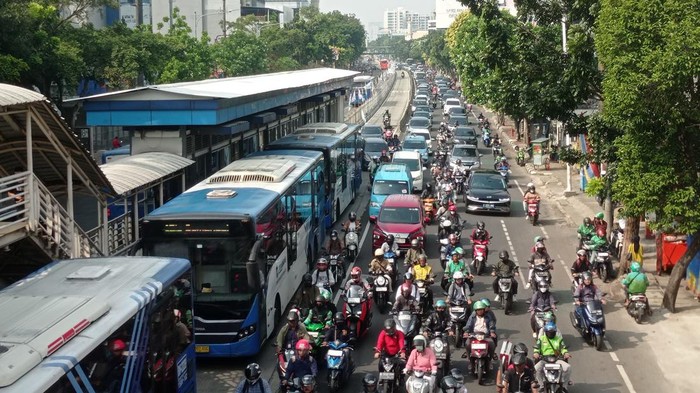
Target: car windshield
[421,114]
[375,146]
[460,131]
[452,102]
[488,182]
[412,163]
[400,215]
[456,110]
[372,130]
[419,123]
[424,135]
[414,143]
[458,120]
[419,102]
[464,152]
[389,187]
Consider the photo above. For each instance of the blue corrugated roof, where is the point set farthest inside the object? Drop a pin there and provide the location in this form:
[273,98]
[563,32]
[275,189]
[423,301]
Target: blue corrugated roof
[247,203]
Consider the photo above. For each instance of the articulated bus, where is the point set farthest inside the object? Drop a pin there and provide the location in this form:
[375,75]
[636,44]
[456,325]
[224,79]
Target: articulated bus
[116,324]
[342,147]
[251,231]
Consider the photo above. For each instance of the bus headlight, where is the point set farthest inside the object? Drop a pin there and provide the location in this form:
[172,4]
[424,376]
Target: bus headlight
[246,331]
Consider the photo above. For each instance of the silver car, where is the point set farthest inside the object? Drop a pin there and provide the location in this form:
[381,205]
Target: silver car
[418,123]
[468,154]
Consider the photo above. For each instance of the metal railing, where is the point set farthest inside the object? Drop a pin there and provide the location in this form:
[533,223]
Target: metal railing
[358,115]
[120,234]
[27,205]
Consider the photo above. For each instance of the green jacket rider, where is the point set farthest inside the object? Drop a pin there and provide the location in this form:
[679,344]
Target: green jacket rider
[636,281]
[598,240]
[586,230]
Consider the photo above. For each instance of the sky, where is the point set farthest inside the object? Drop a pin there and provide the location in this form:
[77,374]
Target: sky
[369,11]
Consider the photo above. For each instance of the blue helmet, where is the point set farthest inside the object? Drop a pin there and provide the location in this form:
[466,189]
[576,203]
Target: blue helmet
[550,327]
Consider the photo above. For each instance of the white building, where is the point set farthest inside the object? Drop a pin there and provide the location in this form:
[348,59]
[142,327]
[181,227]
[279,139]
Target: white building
[447,10]
[403,22]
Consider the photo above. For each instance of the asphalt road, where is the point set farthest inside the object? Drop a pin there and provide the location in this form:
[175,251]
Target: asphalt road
[625,365]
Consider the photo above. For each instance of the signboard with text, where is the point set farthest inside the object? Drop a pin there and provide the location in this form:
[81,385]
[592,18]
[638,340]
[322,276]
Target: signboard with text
[446,11]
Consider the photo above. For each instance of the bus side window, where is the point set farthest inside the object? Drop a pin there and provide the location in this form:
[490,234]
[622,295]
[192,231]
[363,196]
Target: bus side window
[292,229]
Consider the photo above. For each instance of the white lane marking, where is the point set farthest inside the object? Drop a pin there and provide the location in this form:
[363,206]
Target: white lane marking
[519,188]
[352,264]
[544,231]
[626,378]
[513,255]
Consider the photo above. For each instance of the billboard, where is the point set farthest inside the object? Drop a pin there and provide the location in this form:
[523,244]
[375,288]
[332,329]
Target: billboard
[127,13]
[446,11]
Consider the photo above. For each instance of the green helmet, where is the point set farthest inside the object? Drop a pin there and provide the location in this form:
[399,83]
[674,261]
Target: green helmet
[440,303]
[538,239]
[326,294]
[479,305]
[458,250]
[487,302]
[600,215]
[635,267]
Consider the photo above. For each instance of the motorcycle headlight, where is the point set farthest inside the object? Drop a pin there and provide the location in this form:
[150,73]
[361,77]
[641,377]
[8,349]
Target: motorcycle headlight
[438,346]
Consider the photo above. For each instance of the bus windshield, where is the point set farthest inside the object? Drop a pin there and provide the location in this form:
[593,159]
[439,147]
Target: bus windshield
[388,187]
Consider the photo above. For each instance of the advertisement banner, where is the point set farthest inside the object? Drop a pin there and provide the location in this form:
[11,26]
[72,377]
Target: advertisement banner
[446,11]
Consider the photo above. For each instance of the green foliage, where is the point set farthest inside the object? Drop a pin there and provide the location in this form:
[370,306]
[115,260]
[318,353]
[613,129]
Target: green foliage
[595,187]
[397,46]
[240,54]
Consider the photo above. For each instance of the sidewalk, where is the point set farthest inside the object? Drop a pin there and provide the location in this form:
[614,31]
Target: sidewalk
[676,348]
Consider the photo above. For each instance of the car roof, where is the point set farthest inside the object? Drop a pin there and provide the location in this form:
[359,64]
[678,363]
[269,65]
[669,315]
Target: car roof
[406,154]
[464,146]
[485,172]
[412,135]
[418,118]
[464,128]
[402,200]
[372,126]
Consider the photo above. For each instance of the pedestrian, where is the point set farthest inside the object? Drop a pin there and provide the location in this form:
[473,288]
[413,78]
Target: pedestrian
[635,253]
[116,143]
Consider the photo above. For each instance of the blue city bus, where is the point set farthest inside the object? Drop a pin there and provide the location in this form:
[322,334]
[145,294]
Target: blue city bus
[251,231]
[342,148]
[115,324]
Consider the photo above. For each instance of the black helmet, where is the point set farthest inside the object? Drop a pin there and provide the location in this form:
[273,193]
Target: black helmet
[334,233]
[449,385]
[308,280]
[308,380]
[504,255]
[587,221]
[457,375]
[520,348]
[352,216]
[320,299]
[370,383]
[252,373]
[390,239]
[339,318]
[519,359]
[293,317]
[390,326]
[480,225]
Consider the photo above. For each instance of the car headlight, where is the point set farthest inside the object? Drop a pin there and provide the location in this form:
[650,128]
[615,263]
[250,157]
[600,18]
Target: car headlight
[473,199]
[504,199]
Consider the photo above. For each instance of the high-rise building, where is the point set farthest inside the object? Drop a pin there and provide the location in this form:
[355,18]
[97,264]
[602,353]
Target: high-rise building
[401,21]
[447,10]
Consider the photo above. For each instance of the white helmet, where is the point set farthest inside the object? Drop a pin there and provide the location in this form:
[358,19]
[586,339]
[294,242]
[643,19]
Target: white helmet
[530,185]
[458,275]
[448,188]
[378,252]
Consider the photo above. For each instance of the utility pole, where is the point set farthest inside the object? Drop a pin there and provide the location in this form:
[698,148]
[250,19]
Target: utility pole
[567,138]
[141,80]
[225,26]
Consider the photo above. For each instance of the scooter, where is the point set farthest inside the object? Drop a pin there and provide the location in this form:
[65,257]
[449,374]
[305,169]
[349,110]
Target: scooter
[591,325]
[390,256]
[339,366]
[351,244]
[486,137]
[458,317]
[441,348]
[418,382]
[408,323]
[429,210]
[283,358]
[479,356]
[540,273]
[602,264]
[357,310]
[336,266]
[638,307]
[553,374]
[317,331]
[520,157]
[505,292]
[480,253]
[497,150]
[381,292]
[504,171]
[444,242]
[533,212]
[425,296]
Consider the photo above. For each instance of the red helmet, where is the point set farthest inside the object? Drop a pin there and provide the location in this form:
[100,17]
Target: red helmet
[453,208]
[302,344]
[356,272]
[406,289]
[600,232]
[117,345]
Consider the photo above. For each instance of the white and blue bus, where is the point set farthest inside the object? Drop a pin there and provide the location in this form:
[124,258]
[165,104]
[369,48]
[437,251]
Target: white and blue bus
[116,324]
[342,148]
[251,231]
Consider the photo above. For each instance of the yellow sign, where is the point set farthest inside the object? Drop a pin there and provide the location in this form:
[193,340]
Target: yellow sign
[201,348]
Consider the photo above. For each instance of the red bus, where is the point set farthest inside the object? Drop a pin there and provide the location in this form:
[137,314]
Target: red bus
[384,64]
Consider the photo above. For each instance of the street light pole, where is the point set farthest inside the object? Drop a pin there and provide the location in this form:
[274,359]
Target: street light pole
[568,139]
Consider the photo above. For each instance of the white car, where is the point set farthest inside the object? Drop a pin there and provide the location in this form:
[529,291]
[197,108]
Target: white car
[425,134]
[451,103]
[414,163]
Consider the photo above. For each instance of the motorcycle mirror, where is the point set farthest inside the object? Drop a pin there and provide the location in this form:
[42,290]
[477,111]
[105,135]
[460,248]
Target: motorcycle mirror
[373,219]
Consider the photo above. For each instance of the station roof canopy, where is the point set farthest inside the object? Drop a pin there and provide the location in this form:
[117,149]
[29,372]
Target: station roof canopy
[134,172]
[212,101]
[53,144]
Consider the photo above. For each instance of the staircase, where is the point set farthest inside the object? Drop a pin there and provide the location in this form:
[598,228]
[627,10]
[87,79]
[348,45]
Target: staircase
[29,211]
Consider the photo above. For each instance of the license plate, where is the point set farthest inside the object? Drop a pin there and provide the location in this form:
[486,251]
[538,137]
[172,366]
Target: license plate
[479,346]
[541,274]
[390,260]
[404,317]
[353,300]
[440,356]
[334,262]
[201,348]
[457,309]
[552,366]
[335,352]
[386,376]
[381,289]
[421,290]
[603,254]
[488,205]
[313,334]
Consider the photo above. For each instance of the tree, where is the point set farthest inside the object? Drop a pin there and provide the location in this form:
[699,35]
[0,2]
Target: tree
[651,54]
[240,54]
[190,58]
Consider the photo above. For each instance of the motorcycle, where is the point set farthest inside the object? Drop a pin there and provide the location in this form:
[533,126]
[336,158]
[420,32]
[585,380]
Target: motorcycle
[479,356]
[458,317]
[381,292]
[553,374]
[419,382]
[520,157]
[295,386]
[480,253]
[505,292]
[602,264]
[386,120]
[390,256]
[541,273]
[339,367]
[504,171]
[389,374]
[283,358]
[336,266]
[425,292]
[591,325]
[497,149]
[486,137]
[408,323]
[533,212]
[444,242]
[351,244]
[429,210]
[578,280]
[540,317]
[637,307]
[441,348]
[317,331]
[357,310]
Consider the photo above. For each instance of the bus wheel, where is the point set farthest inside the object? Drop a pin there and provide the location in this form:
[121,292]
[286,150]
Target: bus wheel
[278,310]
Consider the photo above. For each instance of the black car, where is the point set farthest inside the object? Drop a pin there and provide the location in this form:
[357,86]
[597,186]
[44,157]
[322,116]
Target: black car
[466,135]
[487,191]
[456,120]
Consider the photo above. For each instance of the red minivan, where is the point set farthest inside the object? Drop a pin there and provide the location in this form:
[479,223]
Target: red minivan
[401,215]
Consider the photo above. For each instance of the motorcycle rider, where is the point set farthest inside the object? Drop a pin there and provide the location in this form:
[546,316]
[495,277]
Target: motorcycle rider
[597,241]
[439,319]
[453,244]
[584,293]
[391,341]
[405,298]
[542,299]
[580,265]
[305,298]
[457,293]
[380,265]
[369,383]
[321,276]
[428,193]
[422,358]
[586,230]
[599,222]
[335,245]
[551,345]
[635,283]
[413,253]
[539,257]
[352,224]
[424,272]
[394,141]
[480,322]
[291,333]
[356,279]
[531,196]
[301,364]
[539,239]
[457,264]
[320,313]
[480,235]
[391,245]
[339,331]
[387,115]
[252,382]
[384,158]
[519,378]
[505,267]
[503,163]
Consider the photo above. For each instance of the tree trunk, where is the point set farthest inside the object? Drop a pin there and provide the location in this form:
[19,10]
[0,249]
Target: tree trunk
[631,230]
[677,274]
[517,128]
